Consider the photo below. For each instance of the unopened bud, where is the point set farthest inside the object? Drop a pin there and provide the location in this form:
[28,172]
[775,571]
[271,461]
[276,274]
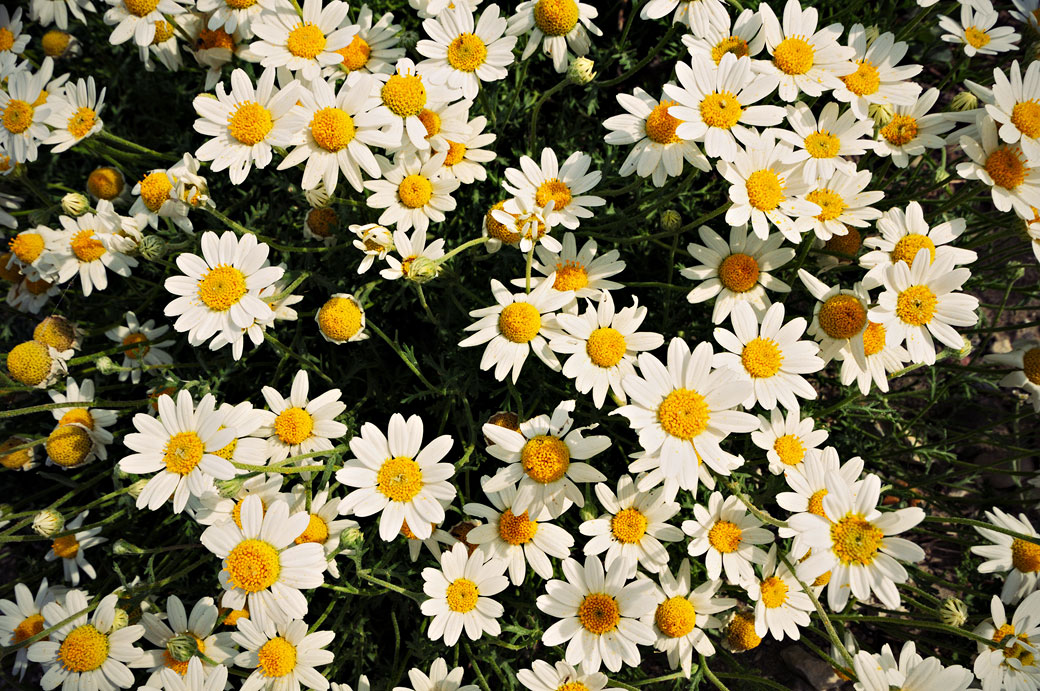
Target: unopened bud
[120,619]
[229,489]
[182,647]
[351,539]
[965,100]
[881,113]
[423,270]
[671,221]
[953,612]
[106,365]
[123,547]
[408,39]
[317,197]
[48,522]
[580,71]
[152,248]
[872,32]
[588,513]
[75,204]
[135,489]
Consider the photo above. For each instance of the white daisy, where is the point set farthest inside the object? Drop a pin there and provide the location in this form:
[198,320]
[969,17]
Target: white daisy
[1024,360]
[839,318]
[576,270]
[728,536]
[300,425]
[404,96]
[464,53]
[323,528]
[94,420]
[565,186]
[375,241]
[633,528]
[517,539]
[1012,664]
[564,24]
[30,253]
[1013,179]
[439,678]
[182,637]
[460,595]
[789,441]
[545,677]
[781,605]
[70,546]
[912,130]
[194,679]
[700,16]
[282,655]
[523,225]
[602,618]
[976,31]
[416,255]
[138,19]
[878,80]
[1016,109]
[882,356]
[844,201]
[47,12]
[75,114]
[398,478]
[1016,559]
[85,247]
[412,190]
[147,346]
[262,569]
[24,112]
[373,50]
[245,421]
[303,44]
[742,37]
[231,16]
[824,144]
[170,193]
[22,618]
[910,672]
[245,124]
[540,457]
[465,158]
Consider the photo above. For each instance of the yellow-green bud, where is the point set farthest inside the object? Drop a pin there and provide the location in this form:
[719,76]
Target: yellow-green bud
[123,547]
[953,612]
[152,248]
[423,270]
[75,204]
[48,522]
[120,620]
[229,489]
[881,113]
[135,489]
[580,71]
[671,221]
[351,538]
[965,100]
[182,647]
[106,365]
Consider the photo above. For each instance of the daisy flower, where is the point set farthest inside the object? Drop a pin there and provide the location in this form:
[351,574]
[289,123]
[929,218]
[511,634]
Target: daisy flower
[30,252]
[194,678]
[728,537]
[147,346]
[231,16]
[412,191]
[1016,559]
[84,247]
[542,676]
[11,25]
[373,50]
[1017,110]
[439,678]
[37,365]
[912,130]
[519,324]
[769,355]
[1014,180]
[658,152]
[576,270]
[976,32]
[736,270]
[1026,12]
[299,425]
[460,595]
[302,44]
[465,158]
[75,115]
[341,319]
[245,124]
[839,318]
[263,569]
[767,187]
[323,527]
[881,357]
[245,421]
[70,546]
[781,605]
[857,543]
[94,420]
[22,618]
[565,186]
[444,121]
[843,202]
[632,529]
[699,16]
[1012,663]
[517,539]
[220,291]
[464,53]
[714,103]
[822,145]
[182,637]
[171,193]
[24,111]
[681,413]
[603,346]
[903,235]
[282,655]
[86,653]
[525,227]
[404,96]
[180,444]
[374,240]
[540,456]
[743,37]
[805,59]
[398,478]
[789,441]
[564,24]
[910,671]
[878,80]
[415,255]
[921,302]
[1025,361]
[602,618]
[138,19]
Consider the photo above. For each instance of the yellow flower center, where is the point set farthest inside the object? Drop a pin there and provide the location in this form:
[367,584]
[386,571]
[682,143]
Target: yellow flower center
[105,183]
[570,275]
[13,460]
[628,526]
[322,221]
[1026,117]
[830,202]
[404,95]
[900,130]
[774,592]
[66,546]
[573,686]
[599,613]
[294,425]
[684,414]
[739,272]
[545,458]
[865,80]
[81,122]
[456,152]
[27,246]
[253,565]
[1006,167]
[332,128]
[141,8]
[516,530]
[740,634]
[816,502]
[675,617]
[240,4]
[660,126]
[794,56]
[29,627]
[499,230]
[6,39]
[605,347]
[1025,556]
[848,243]
[277,657]
[29,363]
[873,338]
[765,189]
[1031,365]
[18,115]
[553,190]
[183,452]
[339,319]
[415,191]
[725,536]
[317,531]
[822,144]
[250,123]
[355,54]
[916,305]
[1017,651]
[306,41]
[762,357]
[855,540]
[222,287]
[227,452]
[83,650]
[77,416]
[163,32]
[231,620]
[519,322]
[467,52]
[790,449]
[68,446]
[730,44]
[38,287]
[976,38]
[86,246]
[139,351]
[399,479]
[721,110]
[842,316]
[215,38]
[462,595]
[907,247]
[431,121]
[556,17]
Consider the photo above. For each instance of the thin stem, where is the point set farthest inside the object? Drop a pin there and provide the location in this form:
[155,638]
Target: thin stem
[532,133]
[464,246]
[711,675]
[831,633]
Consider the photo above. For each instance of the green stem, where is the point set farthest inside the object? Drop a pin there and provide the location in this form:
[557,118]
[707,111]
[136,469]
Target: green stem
[711,675]
[407,361]
[527,270]
[76,404]
[105,134]
[831,633]
[538,108]
[464,246]
[1033,539]
[646,60]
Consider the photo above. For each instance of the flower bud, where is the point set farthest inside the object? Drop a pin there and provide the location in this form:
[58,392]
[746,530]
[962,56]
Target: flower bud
[872,32]
[881,113]
[135,489]
[953,612]
[317,197]
[48,522]
[580,71]
[120,620]
[229,489]
[106,365]
[152,248]
[965,100]
[351,539]
[123,547]
[423,270]
[408,39]
[588,513]
[75,204]
[182,647]
[671,221]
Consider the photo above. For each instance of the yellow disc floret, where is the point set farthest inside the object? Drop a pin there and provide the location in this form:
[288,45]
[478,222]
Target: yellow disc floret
[730,44]
[842,316]
[415,191]
[141,8]
[721,110]
[676,617]
[684,414]
[29,627]
[976,38]
[660,125]
[27,246]
[86,246]
[77,416]
[790,449]
[498,230]
[66,546]
[739,272]
[83,650]
[467,52]
[332,128]
[19,458]
[830,202]
[399,479]
[306,41]
[900,130]
[456,152]
[545,458]
[276,657]
[1026,117]
[765,189]
[317,530]
[462,595]
[404,95]
[222,287]
[253,565]
[155,189]
[762,357]
[815,503]
[340,318]
[907,247]
[183,452]
[855,540]
[516,530]
[873,338]
[1006,167]
[355,54]
[56,331]
[81,122]
[105,183]
[18,115]
[725,536]
[553,190]
[794,55]
[740,634]
[293,425]
[605,347]
[1025,556]
[69,445]
[916,305]
[250,123]
[599,613]
[29,363]
[570,275]
[822,144]
[1031,365]
[556,17]
[628,526]
[519,322]
[866,80]
[774,592]
[55,42]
